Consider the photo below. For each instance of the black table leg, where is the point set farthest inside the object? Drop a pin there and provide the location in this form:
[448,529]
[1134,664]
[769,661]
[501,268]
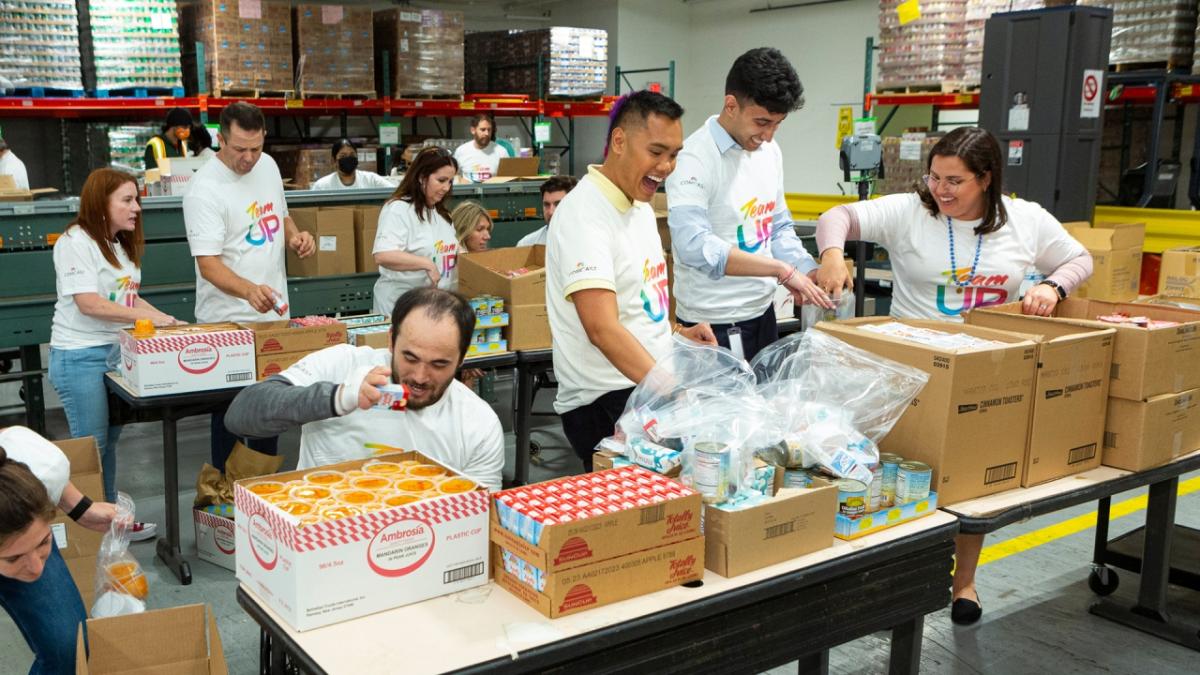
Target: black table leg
[35,404]
[521,423]
[906,647]
[168,546]
[1100,548]
[816,663]
[1150,613]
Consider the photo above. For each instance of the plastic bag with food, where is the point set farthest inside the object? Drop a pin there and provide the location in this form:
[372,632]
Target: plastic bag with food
[121,585]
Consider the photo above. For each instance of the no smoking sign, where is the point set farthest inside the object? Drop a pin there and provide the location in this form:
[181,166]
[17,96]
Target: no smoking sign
[1090,99]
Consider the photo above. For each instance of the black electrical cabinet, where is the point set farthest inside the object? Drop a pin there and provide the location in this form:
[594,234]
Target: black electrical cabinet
[1042,96]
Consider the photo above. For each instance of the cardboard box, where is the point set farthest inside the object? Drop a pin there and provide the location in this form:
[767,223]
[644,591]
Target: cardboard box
[1180,272]
[853,528]
[215,539]
[333,229]
[9,192]
[425,50]
[1177,301]
[969,423]
[334,50]
[333,571]
[1072,384]
[266,366]
[180,359]
[1146,362]
[375,339]
[583,542]
[278,337]
[1116,250]
[524,296]
[175,641]
[1141,435]
[366,224]
[608,581]
[795,522]
[78,545]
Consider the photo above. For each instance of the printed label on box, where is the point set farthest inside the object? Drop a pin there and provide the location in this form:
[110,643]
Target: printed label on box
[328,244]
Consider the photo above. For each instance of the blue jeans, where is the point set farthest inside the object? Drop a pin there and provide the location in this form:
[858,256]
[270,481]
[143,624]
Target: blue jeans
[48,613]
[78,377]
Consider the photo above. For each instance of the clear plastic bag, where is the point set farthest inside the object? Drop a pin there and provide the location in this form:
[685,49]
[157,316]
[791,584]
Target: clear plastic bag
[121,584]
[811,315]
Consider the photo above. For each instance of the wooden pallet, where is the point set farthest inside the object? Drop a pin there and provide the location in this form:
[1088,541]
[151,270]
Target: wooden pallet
[336,94]
[941,88]
[253,93]
[1174,64]
[426,96]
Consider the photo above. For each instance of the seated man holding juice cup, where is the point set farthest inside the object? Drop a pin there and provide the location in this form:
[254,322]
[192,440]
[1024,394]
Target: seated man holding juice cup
[355,402]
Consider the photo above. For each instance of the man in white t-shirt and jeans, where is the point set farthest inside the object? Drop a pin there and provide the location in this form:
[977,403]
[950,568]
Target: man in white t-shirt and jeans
[237,225]
[331,394]
[479,158]
[606,277]
[731,230]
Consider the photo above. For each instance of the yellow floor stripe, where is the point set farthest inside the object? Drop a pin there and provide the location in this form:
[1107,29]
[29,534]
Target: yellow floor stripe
[1072,526]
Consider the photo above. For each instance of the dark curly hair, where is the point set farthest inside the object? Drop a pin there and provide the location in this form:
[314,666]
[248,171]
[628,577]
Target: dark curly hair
[765,77]
[980,151]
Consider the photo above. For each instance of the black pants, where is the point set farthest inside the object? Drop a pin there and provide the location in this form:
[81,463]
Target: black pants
[756,333]
[587,425]
[223,440]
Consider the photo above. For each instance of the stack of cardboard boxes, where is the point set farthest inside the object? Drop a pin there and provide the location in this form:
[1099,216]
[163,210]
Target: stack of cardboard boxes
[278,344]
[424,49]
[1179,275]
[487,273]
[247,46]
[334,50]
[1116,250]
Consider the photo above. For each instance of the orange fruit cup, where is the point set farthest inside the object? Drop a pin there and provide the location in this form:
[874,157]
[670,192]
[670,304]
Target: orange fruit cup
[266,487]
[324,477]
[310,519]
[369,482]
[277,498]
[296,507]
[414,485]
[426,471]
[310,493]
[452,486]
[400,499]
[340,511]
[128,578]
[356,497]
[383,468]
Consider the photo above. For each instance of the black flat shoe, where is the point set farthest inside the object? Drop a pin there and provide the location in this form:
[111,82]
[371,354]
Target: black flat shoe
[965,612]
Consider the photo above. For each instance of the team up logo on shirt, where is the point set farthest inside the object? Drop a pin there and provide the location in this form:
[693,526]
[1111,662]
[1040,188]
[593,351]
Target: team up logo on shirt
[445,256]
[264,223]
[982,290]
[756,217]
[126,292]
[656,298]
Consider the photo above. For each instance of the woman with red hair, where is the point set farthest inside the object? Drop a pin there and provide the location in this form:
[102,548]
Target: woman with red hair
[97,267]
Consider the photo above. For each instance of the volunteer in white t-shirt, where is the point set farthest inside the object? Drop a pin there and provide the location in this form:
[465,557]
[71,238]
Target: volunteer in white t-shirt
[36,588]
[97,269]
[332,394]
[553,191]
[606,277]
[958,244]
[347,176]
[479,158]
[11,165]
[237,226]
[415,244]
[731,230]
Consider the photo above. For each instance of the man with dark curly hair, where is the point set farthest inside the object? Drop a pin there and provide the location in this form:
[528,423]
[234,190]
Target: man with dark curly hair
[731,229]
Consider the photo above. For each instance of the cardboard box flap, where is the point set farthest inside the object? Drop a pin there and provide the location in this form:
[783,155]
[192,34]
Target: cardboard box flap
[519,166]
[179,640]
[1006,337]
[1087,311]
[1009,317]
[1108,236]
[83,455]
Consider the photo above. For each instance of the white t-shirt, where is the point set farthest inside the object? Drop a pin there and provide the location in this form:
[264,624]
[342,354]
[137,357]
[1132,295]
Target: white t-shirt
[918,246]
[602,240]
[11,165]
[479,165]
[239,218]
[741,191]
[362,181]
[80,267]
[460,430]
[401,230]
[43,458]
[536,238]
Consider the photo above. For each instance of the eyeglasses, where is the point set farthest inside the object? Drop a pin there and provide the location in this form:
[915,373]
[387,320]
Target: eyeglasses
[952,184]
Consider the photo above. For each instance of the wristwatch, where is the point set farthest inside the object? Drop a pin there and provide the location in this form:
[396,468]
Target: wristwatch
[1062,293]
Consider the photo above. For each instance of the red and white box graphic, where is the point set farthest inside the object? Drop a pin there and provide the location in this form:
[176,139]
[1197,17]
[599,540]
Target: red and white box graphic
[325,572]
[181,359]
[215,538]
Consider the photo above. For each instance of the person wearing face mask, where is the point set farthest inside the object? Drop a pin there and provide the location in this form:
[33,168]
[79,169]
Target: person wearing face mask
[347,176]
[331,395]
[957,244]
[98,272]
[731,231]
[36,588]
[606,278]
[172,140]
[479,158]
[415,244]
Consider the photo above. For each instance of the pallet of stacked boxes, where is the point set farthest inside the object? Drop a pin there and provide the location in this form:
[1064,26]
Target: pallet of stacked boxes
[247,46]
[304,164]
[574,62]
[424,51]
[904,161]
[925,54]
[334,50]
[977,15]
[1159,33]
[131,47]
[41,46]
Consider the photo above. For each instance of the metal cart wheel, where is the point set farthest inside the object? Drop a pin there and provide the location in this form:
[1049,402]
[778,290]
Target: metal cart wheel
[1103,580]
[535,452]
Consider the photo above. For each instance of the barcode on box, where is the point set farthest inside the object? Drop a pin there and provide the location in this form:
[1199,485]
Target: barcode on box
[1110,439]
[1001,473]
[239,377]
[460,573]
[1081,454]
[653,514]
[780,530]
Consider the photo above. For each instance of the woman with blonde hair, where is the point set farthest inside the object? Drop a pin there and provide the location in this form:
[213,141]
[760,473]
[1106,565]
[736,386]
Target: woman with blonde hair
[472,226]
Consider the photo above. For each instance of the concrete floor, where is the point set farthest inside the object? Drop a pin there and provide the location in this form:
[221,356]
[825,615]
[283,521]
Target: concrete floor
[1035,602]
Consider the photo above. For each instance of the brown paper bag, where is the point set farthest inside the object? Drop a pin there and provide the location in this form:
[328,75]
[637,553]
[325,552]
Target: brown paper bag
[214,488]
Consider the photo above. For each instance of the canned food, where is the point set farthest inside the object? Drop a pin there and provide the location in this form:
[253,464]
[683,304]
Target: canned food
[875,489]
[325,477]
[912,482]
[382,467]
[310,493]
[370,482]
[712,472]
[852,497]
[890,464]
[278,304]
[495,334]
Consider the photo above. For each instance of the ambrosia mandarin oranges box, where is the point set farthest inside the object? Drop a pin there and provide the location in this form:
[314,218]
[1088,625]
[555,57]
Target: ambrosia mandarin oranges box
[337,542]
[181,359]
